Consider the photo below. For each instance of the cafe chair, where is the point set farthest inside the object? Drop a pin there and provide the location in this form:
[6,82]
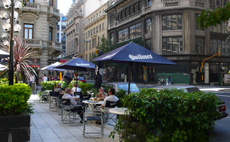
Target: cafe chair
[110,116]
[53,97]
[84,97]
[68,115]
[93,115]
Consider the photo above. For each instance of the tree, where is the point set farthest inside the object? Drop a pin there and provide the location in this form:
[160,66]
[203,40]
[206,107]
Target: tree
[22,54]
[209,17]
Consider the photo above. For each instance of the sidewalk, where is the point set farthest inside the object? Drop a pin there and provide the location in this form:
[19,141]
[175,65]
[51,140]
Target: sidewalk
[46,126]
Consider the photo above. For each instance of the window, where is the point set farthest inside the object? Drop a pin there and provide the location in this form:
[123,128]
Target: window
[131,10]
[89,44]
[148,44]
[172,22]
[196,24]
[94,43]
[99,28]
[102,26]
[86,45]
[148,26]
[218,2]
[51,34]
[135,30]
[112,19]
[123,35]
[149,2]
[225,2]
[211,1]
[126,12]
[96,29]
[28,31]
[112,37]
[51,3]
[224,47]
[199,45]
[172,45]
[98,40]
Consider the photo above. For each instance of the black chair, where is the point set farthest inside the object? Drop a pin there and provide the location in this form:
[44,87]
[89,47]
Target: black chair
[108,105]
[84,97]
[69,115]
[53,97]
[93,115]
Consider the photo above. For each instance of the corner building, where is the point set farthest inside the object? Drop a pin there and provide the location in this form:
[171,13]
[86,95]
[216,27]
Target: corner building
[169,28]
[38,20]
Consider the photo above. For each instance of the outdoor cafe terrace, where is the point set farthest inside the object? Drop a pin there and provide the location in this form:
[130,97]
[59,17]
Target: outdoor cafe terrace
[47,126]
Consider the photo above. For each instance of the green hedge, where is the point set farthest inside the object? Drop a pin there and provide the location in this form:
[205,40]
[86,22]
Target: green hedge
[168,115]
[49,85]
[13,99]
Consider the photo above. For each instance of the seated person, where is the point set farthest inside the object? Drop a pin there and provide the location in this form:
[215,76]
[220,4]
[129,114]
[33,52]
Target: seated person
[111,97]
[76,88]
[58,89]
[101,94]
[73,102]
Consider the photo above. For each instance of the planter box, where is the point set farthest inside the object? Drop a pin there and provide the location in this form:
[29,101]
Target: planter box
[15,128]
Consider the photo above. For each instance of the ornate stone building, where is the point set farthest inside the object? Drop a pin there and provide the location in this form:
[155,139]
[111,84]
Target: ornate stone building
[74,29]
[95,28]
[39,19]
[169,28]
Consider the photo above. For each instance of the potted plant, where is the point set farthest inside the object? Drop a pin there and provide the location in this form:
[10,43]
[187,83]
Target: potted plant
[15,112]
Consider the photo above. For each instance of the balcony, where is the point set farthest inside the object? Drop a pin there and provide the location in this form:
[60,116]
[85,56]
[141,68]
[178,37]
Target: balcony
[53,11]
[33,43]
[31,7]
[171,3]
[54,45]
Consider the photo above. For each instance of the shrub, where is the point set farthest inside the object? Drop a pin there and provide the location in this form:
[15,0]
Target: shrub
[50,85]
[13,99]
[168,115]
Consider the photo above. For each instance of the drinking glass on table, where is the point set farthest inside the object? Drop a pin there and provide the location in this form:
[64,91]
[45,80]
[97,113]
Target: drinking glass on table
[95,99]
[98,99]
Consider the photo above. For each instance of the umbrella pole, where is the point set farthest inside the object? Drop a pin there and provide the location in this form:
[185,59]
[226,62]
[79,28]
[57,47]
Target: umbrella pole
[130,74]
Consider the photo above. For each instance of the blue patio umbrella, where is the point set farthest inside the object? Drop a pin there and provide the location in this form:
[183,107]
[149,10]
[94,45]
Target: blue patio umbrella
[76,64]
[131,53]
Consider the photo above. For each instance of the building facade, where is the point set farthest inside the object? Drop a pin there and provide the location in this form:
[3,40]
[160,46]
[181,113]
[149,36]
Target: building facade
[75,25]
[169,28]
[95,29]
[74,29]
[38,20]
[61,38]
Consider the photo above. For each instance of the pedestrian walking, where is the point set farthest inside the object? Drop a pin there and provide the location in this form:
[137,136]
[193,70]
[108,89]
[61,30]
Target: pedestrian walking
[159,80]
[162,81]
[44,78]
[169,80]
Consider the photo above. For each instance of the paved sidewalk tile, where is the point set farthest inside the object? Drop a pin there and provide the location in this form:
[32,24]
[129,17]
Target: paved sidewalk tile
[46,126]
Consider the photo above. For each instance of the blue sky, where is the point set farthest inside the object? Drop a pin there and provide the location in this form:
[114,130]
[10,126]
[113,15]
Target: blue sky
[64,5]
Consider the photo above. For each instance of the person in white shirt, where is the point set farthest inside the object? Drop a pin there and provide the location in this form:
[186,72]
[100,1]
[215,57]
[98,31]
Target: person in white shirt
[76,88]
[32,79]
[73,103]
[111,97]
[44,78]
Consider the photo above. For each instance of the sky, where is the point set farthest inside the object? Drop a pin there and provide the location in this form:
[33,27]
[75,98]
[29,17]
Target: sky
[64,5]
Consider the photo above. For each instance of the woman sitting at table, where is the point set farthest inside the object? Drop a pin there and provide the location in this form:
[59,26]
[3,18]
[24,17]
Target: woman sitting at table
[73,102]
[101,94]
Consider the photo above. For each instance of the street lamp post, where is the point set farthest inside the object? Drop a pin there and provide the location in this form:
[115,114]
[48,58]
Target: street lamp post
[11,63]
[9,26]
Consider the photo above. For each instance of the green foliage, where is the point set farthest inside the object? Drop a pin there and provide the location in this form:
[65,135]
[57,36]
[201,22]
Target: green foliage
[71,83]
[106,87]
[209,17]
[121,95]
[4,81]
[49,85]
[13,99]
[168,115]
[85,87]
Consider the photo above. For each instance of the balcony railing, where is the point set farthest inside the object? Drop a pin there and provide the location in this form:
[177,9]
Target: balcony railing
[31,5]
[53,11]
[34,42]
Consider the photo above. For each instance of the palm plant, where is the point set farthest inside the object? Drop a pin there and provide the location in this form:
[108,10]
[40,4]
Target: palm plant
[22,54]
